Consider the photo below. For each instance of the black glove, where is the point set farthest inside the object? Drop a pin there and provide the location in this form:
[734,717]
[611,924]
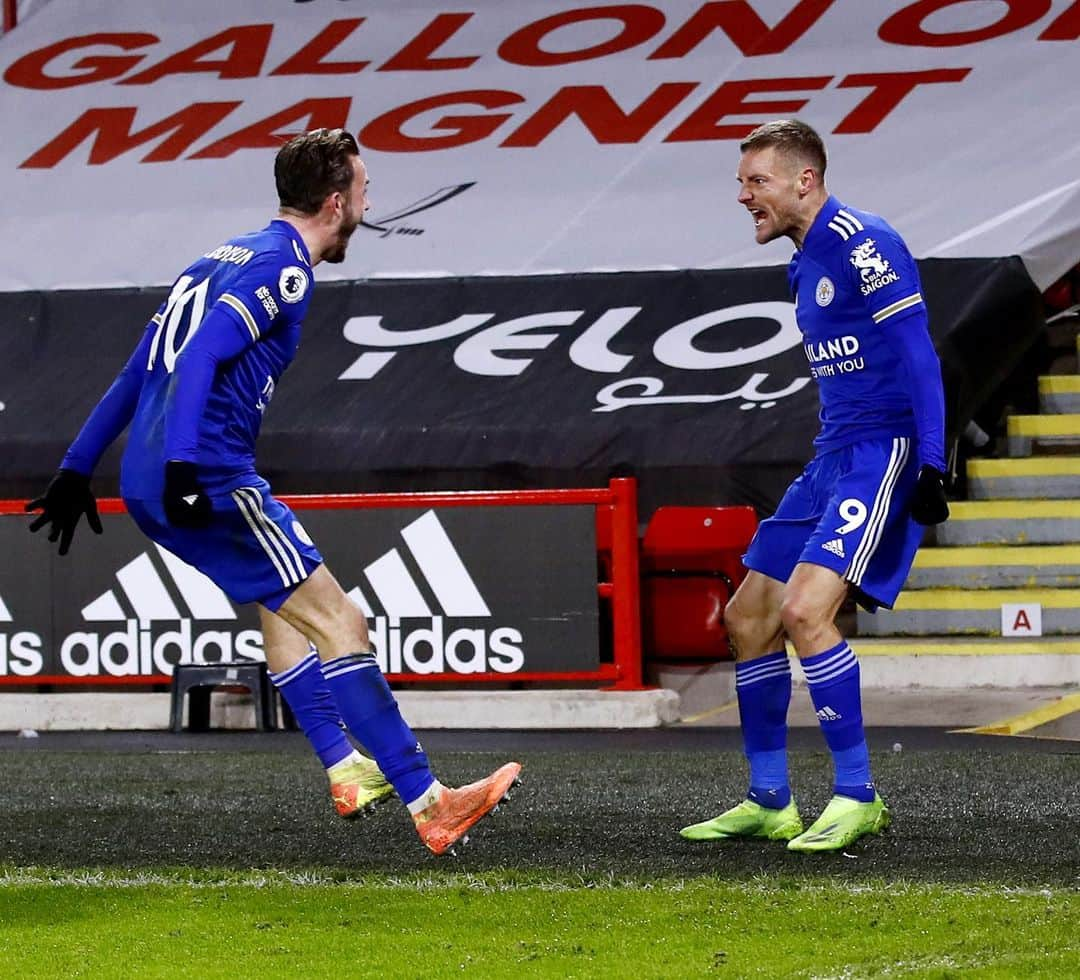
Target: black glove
[186,503]
[67,497]
[928,503]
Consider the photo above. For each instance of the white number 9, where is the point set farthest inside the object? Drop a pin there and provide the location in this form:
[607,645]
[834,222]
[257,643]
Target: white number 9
[853,512]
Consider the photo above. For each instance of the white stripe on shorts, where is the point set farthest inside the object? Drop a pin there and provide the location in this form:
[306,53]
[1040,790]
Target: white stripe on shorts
[875,526]
[269,536]
[287,549]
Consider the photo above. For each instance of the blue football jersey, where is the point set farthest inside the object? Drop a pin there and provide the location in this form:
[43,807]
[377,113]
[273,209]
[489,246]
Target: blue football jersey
[859,303]
[262,283]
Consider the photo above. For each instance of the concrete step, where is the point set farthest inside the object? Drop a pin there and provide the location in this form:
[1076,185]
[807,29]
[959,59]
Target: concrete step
[968,662]
[1028,433]
[996,567]
[974,522]
[101,710]
[949,612]
[1059,394]
[1056,477]
[905,680]
[965,646]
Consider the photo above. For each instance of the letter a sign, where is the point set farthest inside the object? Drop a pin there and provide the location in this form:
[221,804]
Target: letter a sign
[1021,619]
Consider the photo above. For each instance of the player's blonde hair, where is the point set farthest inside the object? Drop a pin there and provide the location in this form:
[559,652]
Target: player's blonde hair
[794,138]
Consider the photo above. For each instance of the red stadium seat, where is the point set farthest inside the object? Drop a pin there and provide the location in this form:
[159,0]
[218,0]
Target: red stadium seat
[691,564]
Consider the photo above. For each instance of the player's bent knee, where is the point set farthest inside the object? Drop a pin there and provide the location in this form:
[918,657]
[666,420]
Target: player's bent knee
[322,611]
[801,614]
[736,620]
[752,634]
[344,619]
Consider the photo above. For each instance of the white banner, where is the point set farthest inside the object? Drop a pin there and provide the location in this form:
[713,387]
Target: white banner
[520,136]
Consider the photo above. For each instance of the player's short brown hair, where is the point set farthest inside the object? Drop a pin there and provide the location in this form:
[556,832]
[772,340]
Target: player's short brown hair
[312,166]
[794,138]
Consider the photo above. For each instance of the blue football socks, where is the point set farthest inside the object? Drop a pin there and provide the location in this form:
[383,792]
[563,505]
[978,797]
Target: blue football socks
[763,687]
[833,678]
[309,699]
[371,713]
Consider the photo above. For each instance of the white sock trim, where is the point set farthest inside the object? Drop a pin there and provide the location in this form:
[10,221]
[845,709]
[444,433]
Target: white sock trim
[425,799]
[350,759]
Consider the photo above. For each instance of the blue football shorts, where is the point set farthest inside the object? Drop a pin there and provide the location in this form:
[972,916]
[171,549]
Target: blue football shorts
[254,550]
[848,511]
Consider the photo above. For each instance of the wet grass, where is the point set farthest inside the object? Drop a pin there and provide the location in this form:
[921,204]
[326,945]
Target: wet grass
[173,925]
[232,863]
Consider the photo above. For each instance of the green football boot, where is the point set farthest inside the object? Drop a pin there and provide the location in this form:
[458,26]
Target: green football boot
[356,785]
[841,823]
[749,819]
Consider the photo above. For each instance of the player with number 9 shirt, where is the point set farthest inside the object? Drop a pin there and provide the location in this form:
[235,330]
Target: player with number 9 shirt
[852,522]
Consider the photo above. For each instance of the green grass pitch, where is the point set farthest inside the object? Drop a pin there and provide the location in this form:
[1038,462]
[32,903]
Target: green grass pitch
[232,864]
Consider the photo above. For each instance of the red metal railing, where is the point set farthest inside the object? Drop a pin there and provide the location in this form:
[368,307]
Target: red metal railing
[617,547]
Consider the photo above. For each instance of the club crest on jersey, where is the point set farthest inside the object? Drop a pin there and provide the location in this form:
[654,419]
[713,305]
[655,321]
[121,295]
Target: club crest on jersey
[301,533]
[873,268]
[825,291]
[292,284]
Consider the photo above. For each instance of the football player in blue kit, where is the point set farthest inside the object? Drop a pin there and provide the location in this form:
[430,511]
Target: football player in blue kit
[853,520]
[194,392]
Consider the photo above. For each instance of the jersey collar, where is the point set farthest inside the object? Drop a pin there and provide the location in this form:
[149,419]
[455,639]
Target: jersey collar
[299,247]
[819,229]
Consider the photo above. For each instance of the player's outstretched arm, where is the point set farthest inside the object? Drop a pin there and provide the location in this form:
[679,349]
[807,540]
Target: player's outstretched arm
[68,496]
[906,329]
[928,502]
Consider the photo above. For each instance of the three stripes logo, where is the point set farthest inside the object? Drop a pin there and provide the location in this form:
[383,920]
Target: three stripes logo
[836,546]
[433,599]
[845,224]
[145,591]
[397,591]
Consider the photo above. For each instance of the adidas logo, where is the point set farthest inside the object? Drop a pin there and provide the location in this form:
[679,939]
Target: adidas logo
[159,602]
[443,571]
[443,590]
[827,714]
[836,546]
[147,594]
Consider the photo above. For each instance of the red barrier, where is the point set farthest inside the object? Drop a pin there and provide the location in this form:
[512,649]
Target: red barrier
[617,547]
